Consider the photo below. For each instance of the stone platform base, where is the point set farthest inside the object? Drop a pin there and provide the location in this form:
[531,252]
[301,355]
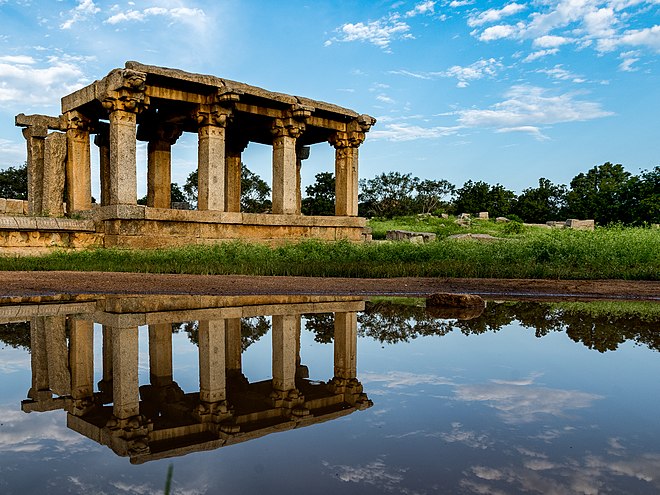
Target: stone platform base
[140,227]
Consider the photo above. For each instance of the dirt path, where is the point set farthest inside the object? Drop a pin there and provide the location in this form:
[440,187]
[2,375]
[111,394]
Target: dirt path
[50,283]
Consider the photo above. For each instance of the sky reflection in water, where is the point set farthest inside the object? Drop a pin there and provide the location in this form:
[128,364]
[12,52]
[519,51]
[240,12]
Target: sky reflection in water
[476,406]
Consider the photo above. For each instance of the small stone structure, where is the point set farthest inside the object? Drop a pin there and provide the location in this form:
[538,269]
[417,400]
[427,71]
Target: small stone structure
[406,235]
[156,105]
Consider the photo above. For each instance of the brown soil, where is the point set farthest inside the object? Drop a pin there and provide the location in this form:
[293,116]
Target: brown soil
[49,283]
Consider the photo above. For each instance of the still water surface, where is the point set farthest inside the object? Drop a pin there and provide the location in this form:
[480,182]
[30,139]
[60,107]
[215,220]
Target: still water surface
[525,398]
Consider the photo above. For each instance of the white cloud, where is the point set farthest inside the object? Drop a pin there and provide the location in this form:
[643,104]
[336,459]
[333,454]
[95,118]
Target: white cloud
[629,58]
[28,81]
[498,32]
[423,8]
[460,3]
[558,72]
[184,14]
[523,403]
[540,54]
[384,98]
[468,438]
[416,75]
[494,15]
[380,32]
[478,70]
[396,379]
[375,473]
[526,106]
[84,10]
[648,37]
[406,132]
[551,41]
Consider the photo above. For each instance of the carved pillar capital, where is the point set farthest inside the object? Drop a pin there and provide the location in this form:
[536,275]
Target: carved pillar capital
[127,93]
[212,115]
[342,140]
[287,128]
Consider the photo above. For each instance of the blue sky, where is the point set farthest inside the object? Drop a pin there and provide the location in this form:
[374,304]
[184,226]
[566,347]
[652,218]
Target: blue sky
[504,92]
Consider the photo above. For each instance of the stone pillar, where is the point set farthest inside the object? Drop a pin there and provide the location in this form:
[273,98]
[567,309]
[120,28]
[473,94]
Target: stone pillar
[233,170]
[212,365]
[285,133]
[345,345]
[35,136]
[233,347]
[55,154]
[78,163]
[302,153]
[284,351]
[212,120]
[160,354]
[105,385]
[125,385]
[346,164]
[39,361]
[346,175]
[102,140]
[81,358]
[58,359]
[159,166]
[122,171]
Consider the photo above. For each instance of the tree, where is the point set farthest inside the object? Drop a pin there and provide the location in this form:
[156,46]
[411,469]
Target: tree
[540,204]
[478,196]
[598,194]
[388,195]
[176,195]
[431,193]
[640,198]
[14,183]
[255,192]
[320,198]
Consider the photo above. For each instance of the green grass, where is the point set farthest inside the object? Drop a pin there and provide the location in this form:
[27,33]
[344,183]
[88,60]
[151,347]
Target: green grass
[606,253]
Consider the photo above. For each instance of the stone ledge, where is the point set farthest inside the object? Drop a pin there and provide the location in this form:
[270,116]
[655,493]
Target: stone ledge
[48,224]
[131,212]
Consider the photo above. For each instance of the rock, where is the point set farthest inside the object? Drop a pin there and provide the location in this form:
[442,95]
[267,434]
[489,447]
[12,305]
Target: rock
[482,215]
[405,235]
[502,220]
[455,300]
[572,223]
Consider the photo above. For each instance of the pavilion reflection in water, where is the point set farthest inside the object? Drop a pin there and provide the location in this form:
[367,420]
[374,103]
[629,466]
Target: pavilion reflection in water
[159,420]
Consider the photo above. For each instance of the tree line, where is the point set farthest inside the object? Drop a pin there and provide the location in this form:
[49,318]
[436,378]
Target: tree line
[606,193]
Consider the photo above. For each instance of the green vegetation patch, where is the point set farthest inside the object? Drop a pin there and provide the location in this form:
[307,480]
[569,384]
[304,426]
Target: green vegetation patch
[606,253]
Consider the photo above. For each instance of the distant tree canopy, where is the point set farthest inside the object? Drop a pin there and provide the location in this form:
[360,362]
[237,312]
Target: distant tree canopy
[606,193]
[13,182]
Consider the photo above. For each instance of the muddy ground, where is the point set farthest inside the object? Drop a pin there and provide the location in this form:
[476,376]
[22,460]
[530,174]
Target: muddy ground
[14,284]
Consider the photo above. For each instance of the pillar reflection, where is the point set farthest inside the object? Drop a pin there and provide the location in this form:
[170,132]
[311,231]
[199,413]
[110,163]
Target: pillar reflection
[158,419]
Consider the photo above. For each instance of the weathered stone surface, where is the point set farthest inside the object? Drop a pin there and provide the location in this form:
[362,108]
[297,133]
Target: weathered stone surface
[573,223]
[3,205]
[446,299]
[406,235]
[482,215]
[54,174]
[455,313]
[502,220]
[14,207]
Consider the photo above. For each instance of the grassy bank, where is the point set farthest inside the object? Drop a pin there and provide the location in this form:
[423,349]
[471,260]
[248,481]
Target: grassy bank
[612,253]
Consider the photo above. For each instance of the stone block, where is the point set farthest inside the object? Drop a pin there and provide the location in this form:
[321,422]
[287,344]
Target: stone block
[14,207]
[26,223]
[501,220]
[26,207]
[3,205]
[8,223]
[405,235]
[573,223]
[482,215]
